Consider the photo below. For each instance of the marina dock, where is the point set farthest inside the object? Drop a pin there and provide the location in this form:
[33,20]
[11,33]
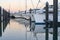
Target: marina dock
[35,21]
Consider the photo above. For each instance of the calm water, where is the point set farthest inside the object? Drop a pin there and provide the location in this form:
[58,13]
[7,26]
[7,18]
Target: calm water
[16,30]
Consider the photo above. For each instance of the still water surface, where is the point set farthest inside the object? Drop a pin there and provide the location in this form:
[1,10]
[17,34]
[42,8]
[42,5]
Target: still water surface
[17,31]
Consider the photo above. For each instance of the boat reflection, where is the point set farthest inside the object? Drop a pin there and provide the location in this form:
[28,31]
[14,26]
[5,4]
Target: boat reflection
[0,31]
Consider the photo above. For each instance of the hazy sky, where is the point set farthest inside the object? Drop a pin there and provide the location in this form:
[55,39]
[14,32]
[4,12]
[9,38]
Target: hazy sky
[15,5]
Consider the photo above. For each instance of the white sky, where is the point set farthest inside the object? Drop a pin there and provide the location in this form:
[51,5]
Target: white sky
[15,5]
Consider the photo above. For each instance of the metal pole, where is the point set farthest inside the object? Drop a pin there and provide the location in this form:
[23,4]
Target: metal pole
[55,20]
[47,22]
[25,6]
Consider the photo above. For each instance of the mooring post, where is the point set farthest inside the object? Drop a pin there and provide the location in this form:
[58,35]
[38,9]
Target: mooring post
[30,11]
[0,23]
[47,36]
[55,19]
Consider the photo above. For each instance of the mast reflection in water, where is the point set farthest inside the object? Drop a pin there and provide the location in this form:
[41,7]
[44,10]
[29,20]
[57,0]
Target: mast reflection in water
[0,24]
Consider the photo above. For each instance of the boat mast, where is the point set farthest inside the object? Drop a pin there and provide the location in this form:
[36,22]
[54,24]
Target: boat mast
[25,6]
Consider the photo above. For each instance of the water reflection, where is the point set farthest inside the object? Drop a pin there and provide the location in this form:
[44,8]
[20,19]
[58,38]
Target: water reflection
[0,31]
[6,19]
[17,31]
[14,31]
